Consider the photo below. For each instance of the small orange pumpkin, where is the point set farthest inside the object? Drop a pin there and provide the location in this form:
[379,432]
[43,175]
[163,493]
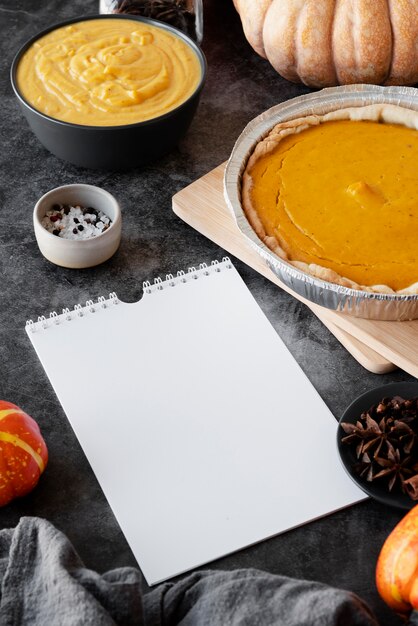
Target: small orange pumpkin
[397,566]
[23,452]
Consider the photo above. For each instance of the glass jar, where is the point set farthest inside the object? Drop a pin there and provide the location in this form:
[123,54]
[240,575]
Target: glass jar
[186,15]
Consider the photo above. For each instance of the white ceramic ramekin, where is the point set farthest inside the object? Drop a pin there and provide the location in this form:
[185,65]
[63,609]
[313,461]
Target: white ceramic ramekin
[80,253]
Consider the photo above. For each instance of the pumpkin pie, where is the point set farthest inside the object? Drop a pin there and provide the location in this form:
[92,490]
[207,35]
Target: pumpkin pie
[336,196]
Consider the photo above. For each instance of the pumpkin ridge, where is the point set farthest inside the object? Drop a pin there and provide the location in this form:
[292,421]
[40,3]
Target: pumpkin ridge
[16,441]
[390,11]
[355,33]
[6,412]
[331,42]
[404,60]
[298,39]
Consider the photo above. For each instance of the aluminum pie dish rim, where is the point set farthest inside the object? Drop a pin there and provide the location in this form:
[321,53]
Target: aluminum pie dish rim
[331,98]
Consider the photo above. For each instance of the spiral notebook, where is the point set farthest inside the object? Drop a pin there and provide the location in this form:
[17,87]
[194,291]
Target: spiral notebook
[202,430]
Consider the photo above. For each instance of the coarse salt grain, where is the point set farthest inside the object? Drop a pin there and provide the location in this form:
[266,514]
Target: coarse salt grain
[75,222]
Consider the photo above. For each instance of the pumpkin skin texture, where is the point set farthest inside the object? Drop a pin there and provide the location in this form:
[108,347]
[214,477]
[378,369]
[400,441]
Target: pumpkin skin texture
[397,566]
[23,452]
[323,43]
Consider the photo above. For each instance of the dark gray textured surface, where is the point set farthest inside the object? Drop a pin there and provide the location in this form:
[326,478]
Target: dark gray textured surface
[341,549]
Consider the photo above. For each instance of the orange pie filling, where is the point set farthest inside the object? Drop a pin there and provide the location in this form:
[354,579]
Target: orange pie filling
[342,195]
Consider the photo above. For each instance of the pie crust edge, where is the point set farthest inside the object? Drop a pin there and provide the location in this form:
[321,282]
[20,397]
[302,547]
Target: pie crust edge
[386,113]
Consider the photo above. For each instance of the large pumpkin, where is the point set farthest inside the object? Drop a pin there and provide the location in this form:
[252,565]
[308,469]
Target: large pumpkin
[329,42]
[23,453]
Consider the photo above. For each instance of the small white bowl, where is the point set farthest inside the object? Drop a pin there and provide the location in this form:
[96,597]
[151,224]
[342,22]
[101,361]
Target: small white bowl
[80,253]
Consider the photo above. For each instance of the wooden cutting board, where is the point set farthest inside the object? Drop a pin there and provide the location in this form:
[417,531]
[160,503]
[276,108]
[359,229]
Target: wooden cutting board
[378,346]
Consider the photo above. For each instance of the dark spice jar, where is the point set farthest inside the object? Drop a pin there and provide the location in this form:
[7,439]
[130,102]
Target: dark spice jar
[186,15]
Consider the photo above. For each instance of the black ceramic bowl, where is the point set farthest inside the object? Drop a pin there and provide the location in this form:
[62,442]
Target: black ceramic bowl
[377,489]
[111,147]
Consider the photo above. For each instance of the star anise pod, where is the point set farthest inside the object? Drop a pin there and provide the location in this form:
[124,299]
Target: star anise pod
[406,436]
[364,467]
[355,433]
[371,437]
[394,467]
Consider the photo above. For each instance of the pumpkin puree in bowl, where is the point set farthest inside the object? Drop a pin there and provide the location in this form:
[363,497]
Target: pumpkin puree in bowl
[342,195]
[108,72]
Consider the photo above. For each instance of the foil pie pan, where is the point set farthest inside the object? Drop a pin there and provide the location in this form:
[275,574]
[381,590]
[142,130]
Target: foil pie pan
[350,301]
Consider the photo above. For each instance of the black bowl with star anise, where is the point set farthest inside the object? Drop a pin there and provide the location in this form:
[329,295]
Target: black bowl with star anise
[377,439]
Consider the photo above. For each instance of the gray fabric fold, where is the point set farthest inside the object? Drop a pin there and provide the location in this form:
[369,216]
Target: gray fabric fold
[43,582]
[253,598]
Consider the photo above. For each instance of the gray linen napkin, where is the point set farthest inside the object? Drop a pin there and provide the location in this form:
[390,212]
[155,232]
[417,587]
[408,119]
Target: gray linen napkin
[43,582]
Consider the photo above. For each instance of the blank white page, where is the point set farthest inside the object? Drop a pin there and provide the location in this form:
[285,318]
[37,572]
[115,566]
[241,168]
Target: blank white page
[202,430]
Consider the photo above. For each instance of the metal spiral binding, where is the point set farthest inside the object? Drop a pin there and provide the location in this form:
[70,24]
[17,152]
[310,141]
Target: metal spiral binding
[42,321]
[68,315]
[181,277]
[53,316]
[171,280]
